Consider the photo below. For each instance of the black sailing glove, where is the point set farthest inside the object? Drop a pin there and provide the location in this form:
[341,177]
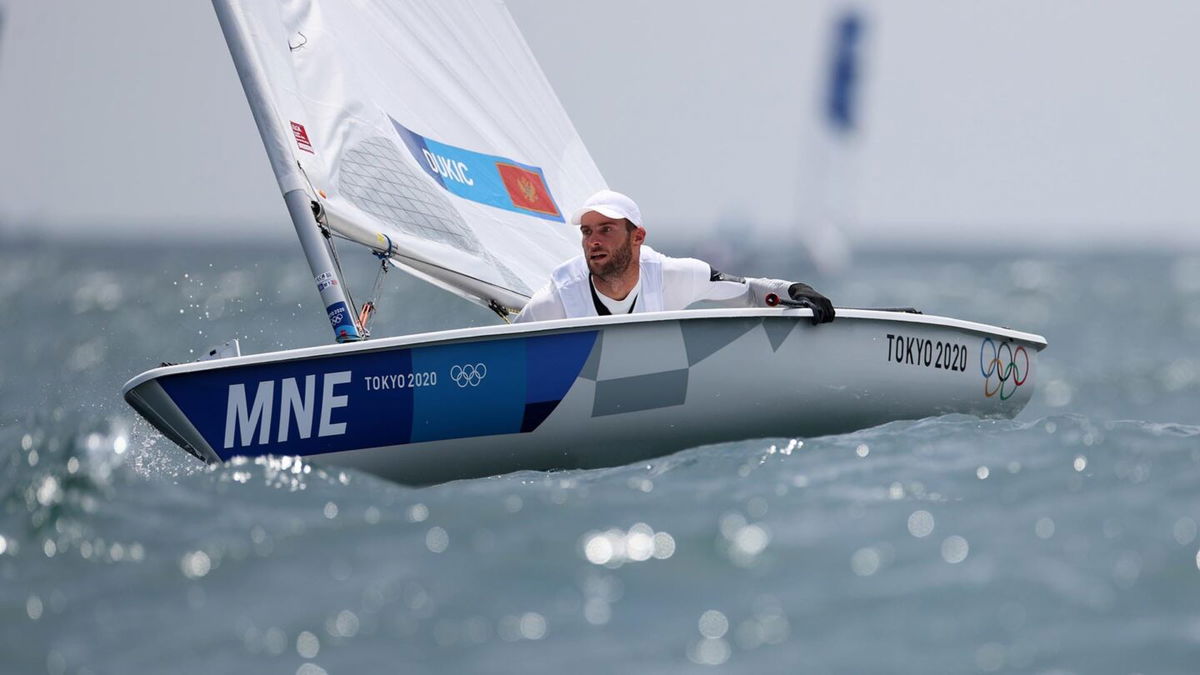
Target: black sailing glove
[820,305]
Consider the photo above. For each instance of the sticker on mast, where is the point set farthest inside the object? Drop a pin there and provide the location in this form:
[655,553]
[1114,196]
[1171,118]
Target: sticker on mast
[339,318]
[301,135]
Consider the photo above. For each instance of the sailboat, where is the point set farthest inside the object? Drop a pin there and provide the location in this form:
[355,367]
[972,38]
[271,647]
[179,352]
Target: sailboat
[425,131]
[830,162]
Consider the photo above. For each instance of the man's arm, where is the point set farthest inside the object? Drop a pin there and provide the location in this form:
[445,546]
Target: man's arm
[543,306]
[709,284]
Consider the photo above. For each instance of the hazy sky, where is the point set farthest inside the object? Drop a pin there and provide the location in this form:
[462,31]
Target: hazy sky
[1014,121]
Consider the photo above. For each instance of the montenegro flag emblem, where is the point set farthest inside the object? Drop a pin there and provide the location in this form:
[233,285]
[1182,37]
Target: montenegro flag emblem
[526,189]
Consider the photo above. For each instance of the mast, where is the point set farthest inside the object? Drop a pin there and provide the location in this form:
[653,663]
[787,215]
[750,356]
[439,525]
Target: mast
[288,173]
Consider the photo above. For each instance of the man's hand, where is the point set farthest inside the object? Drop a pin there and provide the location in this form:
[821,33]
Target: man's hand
[822,308]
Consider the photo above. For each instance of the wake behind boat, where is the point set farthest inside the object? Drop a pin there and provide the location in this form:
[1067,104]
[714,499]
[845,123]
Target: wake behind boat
[426,132]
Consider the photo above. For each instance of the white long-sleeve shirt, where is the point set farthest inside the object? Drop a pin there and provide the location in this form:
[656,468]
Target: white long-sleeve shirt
[685,281]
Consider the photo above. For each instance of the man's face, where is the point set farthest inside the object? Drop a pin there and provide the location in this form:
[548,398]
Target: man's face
[607,244]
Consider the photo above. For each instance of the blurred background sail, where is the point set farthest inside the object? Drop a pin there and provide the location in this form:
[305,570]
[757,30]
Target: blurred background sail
[828,158]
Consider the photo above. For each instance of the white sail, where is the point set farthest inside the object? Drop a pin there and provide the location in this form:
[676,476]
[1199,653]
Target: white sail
[425,128]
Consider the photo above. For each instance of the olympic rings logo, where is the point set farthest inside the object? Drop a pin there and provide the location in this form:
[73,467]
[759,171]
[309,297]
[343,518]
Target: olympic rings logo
[1003,368]
[468,374]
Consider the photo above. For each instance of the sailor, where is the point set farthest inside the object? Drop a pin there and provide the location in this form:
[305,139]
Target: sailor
[619,274]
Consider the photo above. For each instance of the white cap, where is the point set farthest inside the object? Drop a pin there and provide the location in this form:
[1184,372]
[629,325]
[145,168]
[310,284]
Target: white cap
[612,204]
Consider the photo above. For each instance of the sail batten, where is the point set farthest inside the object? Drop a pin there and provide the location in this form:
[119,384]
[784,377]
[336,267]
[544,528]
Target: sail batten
[427,123]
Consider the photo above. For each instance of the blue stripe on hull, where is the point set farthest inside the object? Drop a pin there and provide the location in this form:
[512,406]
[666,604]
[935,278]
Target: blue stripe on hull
[374,399]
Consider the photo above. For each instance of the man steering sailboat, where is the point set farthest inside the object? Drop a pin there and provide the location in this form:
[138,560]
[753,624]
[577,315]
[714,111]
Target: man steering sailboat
[605,279]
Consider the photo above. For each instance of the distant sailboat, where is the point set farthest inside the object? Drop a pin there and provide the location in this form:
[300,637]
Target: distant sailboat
[828,160]
[425,131]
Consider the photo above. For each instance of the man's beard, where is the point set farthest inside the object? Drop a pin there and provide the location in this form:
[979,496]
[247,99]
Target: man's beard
[617,262]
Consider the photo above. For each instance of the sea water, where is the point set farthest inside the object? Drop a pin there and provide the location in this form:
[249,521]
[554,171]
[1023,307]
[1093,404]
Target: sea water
[1064,541]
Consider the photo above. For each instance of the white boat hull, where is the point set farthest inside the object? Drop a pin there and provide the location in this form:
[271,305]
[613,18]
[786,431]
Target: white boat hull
[586,392]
